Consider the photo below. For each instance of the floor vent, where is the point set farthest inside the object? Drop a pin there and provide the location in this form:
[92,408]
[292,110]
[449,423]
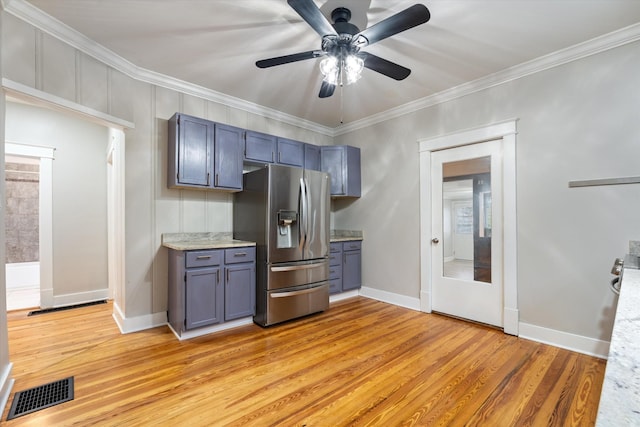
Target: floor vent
[44,396]
[66,307]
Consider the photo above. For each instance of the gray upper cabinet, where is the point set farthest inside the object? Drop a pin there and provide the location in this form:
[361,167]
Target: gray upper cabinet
[228,157]
[312,157]
[259,147]
[342,162]
[290,152]
[203,154]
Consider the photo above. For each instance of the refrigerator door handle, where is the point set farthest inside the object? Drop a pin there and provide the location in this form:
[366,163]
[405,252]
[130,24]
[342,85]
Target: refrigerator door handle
[298,267]
[292,293]
[303,213]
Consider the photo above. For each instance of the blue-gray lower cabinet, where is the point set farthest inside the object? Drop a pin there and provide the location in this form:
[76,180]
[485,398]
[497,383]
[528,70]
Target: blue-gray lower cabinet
[335,268]
[345,266]
[351,265]
[240,283]
[211,286]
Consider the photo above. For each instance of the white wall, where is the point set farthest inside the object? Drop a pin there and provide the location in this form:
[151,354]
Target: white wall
[576,121]
[79,195]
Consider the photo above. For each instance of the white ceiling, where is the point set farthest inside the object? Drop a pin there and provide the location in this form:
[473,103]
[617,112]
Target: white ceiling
[215,43]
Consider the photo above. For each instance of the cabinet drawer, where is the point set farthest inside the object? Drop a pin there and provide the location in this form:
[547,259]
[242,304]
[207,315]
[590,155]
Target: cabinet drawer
[203,258]
[335,286]
[335,247]
[355,245]
[335,272]
[236,255]
[335,258]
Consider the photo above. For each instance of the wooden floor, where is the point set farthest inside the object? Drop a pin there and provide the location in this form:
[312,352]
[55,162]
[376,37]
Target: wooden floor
[363,362]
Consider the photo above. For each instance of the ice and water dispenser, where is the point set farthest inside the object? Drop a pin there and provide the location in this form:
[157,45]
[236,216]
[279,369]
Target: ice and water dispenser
[287,229]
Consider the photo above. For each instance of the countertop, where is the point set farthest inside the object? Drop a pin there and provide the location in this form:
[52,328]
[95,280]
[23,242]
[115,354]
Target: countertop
[345,235]
[620,398]
[199,241]
[195,241]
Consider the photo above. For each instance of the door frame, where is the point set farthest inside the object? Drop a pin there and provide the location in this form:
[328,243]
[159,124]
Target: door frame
[506,131]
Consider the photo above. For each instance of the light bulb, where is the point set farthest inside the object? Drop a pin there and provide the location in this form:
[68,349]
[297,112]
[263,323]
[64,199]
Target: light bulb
[353,68]
[330,69]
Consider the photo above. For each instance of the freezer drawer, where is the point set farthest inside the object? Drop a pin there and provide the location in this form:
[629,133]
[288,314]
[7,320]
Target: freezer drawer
[290,274]
[289,304]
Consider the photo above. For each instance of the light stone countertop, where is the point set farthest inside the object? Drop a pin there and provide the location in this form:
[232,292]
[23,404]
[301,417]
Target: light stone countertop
[620,397]
[201,241]
[345,235]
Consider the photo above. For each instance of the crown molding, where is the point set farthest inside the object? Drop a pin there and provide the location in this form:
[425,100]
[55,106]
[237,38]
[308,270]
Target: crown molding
[48,24]
[34,16]
[596,45]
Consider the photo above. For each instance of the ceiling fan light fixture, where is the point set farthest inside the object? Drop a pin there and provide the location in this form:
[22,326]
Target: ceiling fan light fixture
[341,71]
[353,68]
[330,69]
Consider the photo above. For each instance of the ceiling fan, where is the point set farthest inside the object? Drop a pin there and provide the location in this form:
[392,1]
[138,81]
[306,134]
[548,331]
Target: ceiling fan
[342,43]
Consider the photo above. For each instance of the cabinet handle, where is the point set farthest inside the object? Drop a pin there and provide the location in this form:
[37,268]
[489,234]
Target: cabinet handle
[279,156]
[216,181]
[344,257]
[203,257]
[227,275]
[207,179]
[218,276]
[239,254]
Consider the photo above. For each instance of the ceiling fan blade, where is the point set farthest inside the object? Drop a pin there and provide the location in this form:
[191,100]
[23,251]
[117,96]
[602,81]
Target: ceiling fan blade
[279,60]
[382,66]
[326,90]
[401,21]
[308,10]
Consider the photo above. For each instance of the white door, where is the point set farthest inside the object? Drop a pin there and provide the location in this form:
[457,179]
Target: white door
[471,289]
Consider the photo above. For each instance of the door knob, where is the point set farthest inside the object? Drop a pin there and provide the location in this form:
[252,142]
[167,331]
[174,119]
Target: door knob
[435,240]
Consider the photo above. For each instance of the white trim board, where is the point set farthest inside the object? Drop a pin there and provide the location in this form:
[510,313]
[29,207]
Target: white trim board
[6,384]
[391,298]
[34,16]
[566,340]
[139,323]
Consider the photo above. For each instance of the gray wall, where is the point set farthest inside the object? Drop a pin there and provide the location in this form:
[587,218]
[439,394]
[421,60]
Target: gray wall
[37,60]
[576,121]
[79,192]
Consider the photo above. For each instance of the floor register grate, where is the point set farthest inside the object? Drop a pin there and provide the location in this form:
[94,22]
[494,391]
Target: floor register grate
[41,397]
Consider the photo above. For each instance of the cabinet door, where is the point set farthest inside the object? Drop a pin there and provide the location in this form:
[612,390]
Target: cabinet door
[193,150]
[228,157]
[312,157]
[342,162]
[290,152]
[351,270]
[259,147]
[239,295]
[203,297]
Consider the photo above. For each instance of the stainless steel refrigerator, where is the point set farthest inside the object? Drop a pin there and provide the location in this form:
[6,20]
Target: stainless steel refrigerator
[285,210]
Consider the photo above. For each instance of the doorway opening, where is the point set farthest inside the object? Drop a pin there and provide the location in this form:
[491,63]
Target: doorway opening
[505,135]
[22,195]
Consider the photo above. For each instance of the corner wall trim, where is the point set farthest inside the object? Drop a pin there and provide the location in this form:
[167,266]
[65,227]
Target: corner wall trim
[128,325]
[6,384]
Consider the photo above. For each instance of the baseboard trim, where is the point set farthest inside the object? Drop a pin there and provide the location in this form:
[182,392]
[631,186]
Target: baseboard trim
[211,329]
[343,295]
[80,298]
[128,325]
[566,340]
[391,298]
[6,384]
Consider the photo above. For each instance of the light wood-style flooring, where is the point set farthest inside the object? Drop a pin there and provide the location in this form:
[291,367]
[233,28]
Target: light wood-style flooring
[362,362]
